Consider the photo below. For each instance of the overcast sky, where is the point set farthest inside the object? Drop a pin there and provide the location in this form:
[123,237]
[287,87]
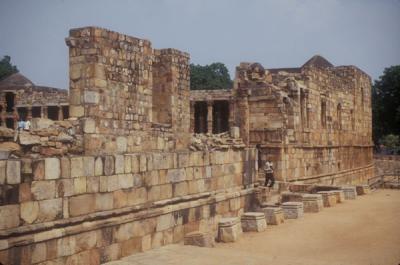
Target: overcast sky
[279,33]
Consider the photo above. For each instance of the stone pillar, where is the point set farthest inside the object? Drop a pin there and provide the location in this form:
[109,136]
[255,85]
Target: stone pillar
[210,116]
[231,121]
[3,116]
[29,114]
[15,117]
[60,114]
[192,117]
[243,114]
[43,112]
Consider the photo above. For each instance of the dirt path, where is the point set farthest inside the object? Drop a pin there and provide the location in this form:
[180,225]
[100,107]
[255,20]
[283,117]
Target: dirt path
[365,231]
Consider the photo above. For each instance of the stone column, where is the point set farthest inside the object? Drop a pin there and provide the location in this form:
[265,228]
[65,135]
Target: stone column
[243,114]
[231,121]
[43,112]
[3,116]
[29,114]
[60,114]
[210,116]
[192,117]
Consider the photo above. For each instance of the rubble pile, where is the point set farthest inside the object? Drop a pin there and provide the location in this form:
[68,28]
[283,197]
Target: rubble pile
[212,142]
[45,137]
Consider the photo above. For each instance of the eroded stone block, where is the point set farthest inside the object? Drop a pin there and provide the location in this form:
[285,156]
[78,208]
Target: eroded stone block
[329,198]
[229,229]
[253,222]
[350,192]
[313,203]
[273,215]
[52,168]
[292,210]
[200,239]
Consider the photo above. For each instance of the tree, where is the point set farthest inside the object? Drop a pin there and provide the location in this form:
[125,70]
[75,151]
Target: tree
[6,68]
[213,76]
[386,104]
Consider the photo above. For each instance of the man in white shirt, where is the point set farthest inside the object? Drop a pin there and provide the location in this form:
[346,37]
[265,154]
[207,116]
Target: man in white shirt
[269,174]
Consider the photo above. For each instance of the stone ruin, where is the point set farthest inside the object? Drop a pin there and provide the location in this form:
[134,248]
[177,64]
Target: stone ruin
[125,173]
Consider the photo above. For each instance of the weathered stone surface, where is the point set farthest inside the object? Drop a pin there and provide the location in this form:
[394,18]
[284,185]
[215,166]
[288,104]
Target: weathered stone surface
[253,222]
[363,189]
[25,138]
[77,167]
[292,210]
[313,203]
[82,204]
[98,166]
[329,198]
[52,168]
[9,216]
[229,229]
[350,192]
[3,172]
[50,210]
[13,172]
[29,211]
[42,190]
[65,167]
[9,146]
[340,198]
[200,239]
[273,215]
[41,123]
[88,166]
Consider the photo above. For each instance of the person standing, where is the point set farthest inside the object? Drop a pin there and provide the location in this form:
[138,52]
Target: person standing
[269,175]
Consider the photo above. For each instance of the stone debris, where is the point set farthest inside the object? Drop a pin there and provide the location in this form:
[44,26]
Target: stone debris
[313,203]
[229,229]
[211,142]
[329,198]
[200,239]
[292,210]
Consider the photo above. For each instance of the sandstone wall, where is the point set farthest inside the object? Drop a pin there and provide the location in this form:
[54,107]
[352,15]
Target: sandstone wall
[314,123]
[387,165]
[106,207]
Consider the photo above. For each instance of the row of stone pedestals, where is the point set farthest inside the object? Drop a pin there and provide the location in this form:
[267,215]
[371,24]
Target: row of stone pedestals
[230,229]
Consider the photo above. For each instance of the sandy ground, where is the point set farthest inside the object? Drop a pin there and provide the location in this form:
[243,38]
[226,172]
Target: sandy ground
[364,231]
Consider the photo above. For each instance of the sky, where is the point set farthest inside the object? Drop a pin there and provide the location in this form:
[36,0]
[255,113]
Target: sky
[275,33]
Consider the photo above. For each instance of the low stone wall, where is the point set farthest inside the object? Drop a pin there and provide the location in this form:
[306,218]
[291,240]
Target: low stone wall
[387,165]
[79,208]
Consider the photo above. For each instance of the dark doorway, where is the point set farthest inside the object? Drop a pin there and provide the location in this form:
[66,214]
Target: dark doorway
[10,100]
[65,110]
[22,113]
[200,117]
[52,113]
[36,112]
[10,123]
[220,116]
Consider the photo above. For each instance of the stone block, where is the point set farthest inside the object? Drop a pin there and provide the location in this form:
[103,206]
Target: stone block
[65,167]
[329,198]
[3,174]
[50,210]
[200,239]
[273,215]
[119,164]
[122,144]
[234,132]
[291,197]
[350,192]
[253,222]
[91,97]
[52,168]
[108,165]
[38,169]
[363,189]
[9,216]
[76,111]
[77,167]
[79,185]
[292,210]
[176,175]
[164,222]
[13,172]
[39,252]
[29,211]
[88,166]
[25,192]
[104,201]
[229,229]
[82,204]
[42,190]
[340,198]
[313,203]
[98,166]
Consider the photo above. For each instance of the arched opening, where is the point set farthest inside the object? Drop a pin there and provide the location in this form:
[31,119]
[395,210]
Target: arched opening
[220,116]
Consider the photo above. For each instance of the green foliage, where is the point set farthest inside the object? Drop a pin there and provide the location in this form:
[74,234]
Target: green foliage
[386,104]
[213,76]
[391,141]
[6,68]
